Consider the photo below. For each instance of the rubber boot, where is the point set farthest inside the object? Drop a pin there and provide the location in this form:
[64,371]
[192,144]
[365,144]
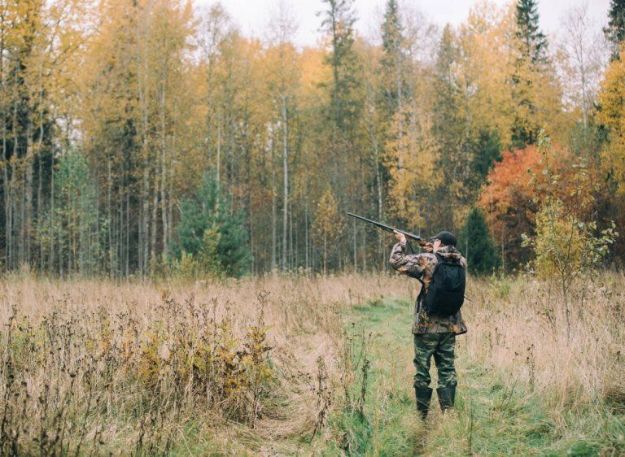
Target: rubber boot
[446,397]
[424,395]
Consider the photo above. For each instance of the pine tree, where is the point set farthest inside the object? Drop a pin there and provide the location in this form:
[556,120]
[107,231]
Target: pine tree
[480,251]
[615,31]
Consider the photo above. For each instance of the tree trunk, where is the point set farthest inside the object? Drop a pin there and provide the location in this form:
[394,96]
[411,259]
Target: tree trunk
[274,214]
[285,167]
[143,225]
[306,238]
[109,211]
[153,223]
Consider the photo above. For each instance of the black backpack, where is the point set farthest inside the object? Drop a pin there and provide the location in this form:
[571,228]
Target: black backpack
[445,294]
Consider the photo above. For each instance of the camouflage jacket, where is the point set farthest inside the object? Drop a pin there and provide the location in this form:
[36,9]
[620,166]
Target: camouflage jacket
[421,266]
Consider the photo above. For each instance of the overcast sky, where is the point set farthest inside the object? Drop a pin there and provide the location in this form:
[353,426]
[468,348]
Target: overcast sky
[252,16]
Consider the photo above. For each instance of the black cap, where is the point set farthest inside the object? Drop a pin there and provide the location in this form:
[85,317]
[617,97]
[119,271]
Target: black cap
[446,238]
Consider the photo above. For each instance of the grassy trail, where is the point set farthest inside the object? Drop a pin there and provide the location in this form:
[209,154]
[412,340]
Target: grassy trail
[493,416]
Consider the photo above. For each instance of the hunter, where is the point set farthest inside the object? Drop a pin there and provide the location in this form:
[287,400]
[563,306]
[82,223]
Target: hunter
[437,317]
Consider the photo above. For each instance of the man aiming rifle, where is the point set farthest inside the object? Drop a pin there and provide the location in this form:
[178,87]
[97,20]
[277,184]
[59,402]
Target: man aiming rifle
[441,269]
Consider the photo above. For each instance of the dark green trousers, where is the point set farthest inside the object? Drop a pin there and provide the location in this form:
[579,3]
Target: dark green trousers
[441,346]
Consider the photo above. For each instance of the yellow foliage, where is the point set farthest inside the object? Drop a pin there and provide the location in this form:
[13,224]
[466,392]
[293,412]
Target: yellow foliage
[411,154]
[487,66]
[489,62]
[612,96]
[559,243]
[328,223]
[612,114]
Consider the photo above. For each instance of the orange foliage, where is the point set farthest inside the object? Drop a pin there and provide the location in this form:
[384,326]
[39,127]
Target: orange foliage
[520,183]
[508,199]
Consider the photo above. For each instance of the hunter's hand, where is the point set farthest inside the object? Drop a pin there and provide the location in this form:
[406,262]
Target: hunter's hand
[400,237]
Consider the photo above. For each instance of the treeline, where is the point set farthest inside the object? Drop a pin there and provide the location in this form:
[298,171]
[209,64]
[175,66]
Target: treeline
[144,137]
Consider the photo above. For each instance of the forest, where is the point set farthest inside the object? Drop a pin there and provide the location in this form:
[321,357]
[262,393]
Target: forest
[178,274]
[153,138]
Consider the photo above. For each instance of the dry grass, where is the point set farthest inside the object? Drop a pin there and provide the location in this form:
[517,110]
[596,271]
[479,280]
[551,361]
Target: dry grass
[519,327]
[130,368]
[257,366]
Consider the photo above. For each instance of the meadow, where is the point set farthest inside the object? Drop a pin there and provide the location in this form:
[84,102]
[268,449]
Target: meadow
[294,365]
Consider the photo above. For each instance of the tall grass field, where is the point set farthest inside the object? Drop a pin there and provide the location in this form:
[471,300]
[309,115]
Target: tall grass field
[291,365]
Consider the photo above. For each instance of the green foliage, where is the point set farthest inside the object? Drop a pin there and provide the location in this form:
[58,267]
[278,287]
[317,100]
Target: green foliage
[394,84]
[480,250]
[533,42]
[529,68]
[615,30]
[73,226]
[212,238]
[486,151]
[566,247]
[587,140]
[338,21]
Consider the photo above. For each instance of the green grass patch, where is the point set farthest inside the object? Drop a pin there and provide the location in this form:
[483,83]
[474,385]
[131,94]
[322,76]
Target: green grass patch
[494,415]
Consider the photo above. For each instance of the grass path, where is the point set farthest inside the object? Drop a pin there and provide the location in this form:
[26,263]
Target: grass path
[492,417]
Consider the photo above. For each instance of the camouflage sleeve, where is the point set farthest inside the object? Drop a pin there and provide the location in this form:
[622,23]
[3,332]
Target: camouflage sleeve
[408,264]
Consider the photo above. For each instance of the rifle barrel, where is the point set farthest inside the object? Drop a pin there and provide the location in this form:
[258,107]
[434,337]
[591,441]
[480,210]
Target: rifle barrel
[388,228]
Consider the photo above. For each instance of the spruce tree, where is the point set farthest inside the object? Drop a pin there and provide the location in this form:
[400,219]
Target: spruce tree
[486,151]
[393,80]
[477,244]
[532,40]
[212,232]
[531,59]
[338,22]
[615,31]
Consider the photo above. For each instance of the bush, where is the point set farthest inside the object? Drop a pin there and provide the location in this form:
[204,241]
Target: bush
[566,248]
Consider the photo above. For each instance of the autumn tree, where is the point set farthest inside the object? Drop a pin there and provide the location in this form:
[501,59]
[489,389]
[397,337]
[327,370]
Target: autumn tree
[450,129]
[38,41]
[567,248]
[522,181]
[611,114]
[134,120]
[327,227]
[283,80]
[112,113]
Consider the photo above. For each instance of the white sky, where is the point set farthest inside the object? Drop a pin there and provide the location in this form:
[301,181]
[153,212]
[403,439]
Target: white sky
[253,16]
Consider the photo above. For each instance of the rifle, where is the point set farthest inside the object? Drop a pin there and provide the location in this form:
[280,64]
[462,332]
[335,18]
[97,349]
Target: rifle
[389,228]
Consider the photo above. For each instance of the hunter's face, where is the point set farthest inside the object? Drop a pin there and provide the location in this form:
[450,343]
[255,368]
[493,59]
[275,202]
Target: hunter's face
[437,244]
